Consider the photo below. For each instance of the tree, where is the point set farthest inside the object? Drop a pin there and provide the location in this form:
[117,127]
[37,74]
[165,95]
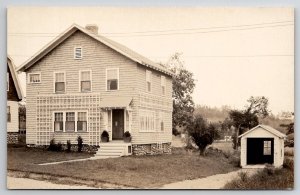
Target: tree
[183,87]
[244,120]
[202,133]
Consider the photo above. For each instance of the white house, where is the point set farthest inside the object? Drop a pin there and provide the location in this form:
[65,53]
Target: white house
[262,145]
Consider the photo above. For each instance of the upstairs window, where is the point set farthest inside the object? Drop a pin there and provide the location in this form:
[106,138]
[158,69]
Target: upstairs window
[112,79]
[70,121]
[148,80]
[163,85]
[7,81]
[58,121]
[34,78]
[8,114]
[60,81]
[85,81]
[77,53]
[81,121]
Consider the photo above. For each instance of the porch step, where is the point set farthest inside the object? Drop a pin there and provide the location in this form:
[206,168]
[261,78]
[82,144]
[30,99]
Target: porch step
[112,150]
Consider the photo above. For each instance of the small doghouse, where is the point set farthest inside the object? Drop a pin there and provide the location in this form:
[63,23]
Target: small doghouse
[262,145]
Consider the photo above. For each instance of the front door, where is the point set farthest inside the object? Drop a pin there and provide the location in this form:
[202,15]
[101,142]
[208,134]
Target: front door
[260,150]
[117,124]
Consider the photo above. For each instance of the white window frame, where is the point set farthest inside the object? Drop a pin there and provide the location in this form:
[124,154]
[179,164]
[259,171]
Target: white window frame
[54,80]
[150,80]
[267,146]
[64,121]
[7,81]
[88,70]
[163,84]
[29,74]
[146,113]
[118,79]
[78,58]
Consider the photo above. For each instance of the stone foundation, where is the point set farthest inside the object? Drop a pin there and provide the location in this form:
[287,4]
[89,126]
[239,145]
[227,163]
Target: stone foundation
[12,137]
[151,149]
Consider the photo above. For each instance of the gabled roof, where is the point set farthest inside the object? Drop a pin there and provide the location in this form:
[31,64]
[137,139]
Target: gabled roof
[110,43]
[14,76]
[267,128]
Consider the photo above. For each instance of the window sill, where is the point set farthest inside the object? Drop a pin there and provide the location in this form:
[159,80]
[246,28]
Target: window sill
[70,132]
[148,131]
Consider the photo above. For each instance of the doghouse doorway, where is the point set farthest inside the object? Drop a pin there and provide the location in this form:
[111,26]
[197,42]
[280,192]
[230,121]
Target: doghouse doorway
[260,151]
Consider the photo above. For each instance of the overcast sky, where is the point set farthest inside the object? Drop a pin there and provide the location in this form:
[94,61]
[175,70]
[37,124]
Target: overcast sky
[234,53]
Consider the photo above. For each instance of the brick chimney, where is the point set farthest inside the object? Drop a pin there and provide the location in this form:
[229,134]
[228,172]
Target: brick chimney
[93,28]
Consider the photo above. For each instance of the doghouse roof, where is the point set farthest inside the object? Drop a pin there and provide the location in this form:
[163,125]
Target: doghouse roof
[267,128]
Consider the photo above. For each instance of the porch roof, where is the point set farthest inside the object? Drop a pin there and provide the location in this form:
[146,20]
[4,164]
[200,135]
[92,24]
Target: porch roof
[115,102]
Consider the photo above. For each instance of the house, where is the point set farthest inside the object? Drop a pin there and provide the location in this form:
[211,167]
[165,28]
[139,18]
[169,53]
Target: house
[260,145]
[82,83]
[14,95]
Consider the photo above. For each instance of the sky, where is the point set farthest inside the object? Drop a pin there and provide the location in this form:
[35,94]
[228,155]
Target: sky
[234,53]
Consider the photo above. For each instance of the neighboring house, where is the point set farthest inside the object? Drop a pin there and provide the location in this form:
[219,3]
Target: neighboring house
[14,95]
[260,145]
[82,83]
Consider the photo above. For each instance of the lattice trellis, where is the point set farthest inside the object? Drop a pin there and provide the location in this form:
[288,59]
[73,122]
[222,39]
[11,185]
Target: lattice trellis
[46,105]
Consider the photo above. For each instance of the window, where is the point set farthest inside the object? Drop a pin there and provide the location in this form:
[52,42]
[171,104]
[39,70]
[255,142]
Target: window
[34,78]
[81,121]
[112,78]
[161,121]
[78,53]
[70,121]
[8,114]
[7,81]
[85,81]
[59,82]
[148,80]
[163,85]
[147,121]
[58,121]
[267,148]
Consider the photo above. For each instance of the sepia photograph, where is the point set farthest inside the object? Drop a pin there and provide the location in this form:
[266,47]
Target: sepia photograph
[150,98]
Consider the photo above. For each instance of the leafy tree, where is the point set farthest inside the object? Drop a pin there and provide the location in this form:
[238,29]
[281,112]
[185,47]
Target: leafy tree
[202,133]
[183,87]
[244,120]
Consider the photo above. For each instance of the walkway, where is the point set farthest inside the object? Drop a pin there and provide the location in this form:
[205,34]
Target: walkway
[212,182]
[25,183]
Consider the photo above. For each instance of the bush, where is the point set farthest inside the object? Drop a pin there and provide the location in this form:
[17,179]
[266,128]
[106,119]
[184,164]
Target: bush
[79,143]
[104,136]
[68,146]
[288,164]
[55,147]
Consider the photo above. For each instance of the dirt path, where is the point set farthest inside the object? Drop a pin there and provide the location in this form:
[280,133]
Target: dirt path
[25,183]
[212,182]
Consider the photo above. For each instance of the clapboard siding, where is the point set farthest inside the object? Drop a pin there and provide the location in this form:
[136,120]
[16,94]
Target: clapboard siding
[96,57]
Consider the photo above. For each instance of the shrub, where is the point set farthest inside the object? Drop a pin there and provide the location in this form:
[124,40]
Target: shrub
[55,147]
[243,176]
[202,133]
[104,136]
[68,146]
[79,143]
[289,164]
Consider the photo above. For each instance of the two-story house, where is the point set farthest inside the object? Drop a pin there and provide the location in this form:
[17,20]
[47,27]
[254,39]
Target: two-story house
[14,95]
[82,83]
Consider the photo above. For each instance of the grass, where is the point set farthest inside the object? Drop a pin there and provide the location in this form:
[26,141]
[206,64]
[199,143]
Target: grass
[266,179]
[131,171]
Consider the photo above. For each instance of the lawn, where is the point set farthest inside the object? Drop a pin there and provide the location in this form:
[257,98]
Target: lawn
[131,171]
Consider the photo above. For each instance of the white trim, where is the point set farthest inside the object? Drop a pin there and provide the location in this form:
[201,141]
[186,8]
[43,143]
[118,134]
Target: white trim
[54,80]
[81,52]
[163,84]
[14,76]
[7,81]
[29,74]
[85,70]
[76,120]
[124,121]
[118,72]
